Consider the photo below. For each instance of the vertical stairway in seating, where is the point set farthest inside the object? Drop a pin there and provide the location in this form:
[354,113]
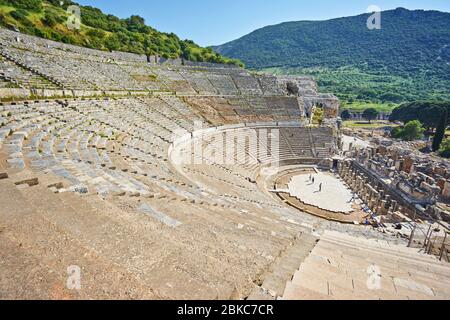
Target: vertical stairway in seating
[342,267]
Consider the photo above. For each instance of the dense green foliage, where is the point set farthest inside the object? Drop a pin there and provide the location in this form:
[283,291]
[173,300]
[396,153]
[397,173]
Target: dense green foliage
[413,130]
[100,31]
[431,114]
[370,114]
[440,130]
[427,112]
[345,115]
[407,60]
[444,151]
[32,5]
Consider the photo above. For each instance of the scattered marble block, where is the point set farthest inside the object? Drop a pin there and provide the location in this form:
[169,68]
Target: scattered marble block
[30,182]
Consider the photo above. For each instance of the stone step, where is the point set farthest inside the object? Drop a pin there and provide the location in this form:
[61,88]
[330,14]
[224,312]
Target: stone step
[118,241]
[357,265]
[296,292]
[140,224]
[339,269]
[287,264]
[397,253]
[383,246]
[32,236]
[336,285]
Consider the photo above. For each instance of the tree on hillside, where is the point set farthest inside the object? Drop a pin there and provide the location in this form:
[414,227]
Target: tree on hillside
[136,24]
[370,114]
[345,115]
[104,32]
[413,130]
[391,97]
[440,130]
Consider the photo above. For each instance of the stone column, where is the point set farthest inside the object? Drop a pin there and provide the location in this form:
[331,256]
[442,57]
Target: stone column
[394,206]
[375,201]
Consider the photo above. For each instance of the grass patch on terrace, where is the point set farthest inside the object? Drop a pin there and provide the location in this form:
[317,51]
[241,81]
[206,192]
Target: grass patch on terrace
[367,125]
[145,78]
[358,106]
[10,85]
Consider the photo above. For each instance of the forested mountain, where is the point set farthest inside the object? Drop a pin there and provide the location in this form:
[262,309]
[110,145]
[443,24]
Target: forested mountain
[408,59]
[47,19]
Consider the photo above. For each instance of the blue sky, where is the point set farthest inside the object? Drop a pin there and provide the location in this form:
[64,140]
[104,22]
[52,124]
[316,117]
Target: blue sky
[212,22]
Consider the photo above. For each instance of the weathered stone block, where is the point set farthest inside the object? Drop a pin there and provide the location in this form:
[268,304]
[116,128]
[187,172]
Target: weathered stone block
[58,185]
[119,193]
[30,182]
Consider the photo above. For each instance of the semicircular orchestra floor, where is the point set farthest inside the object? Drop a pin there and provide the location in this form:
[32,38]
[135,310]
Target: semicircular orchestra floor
[321,194]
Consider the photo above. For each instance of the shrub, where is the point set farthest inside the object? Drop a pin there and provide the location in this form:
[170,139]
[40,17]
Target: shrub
[51,19]
[444,151]
[39,33]
[318,116]
[19,15]
[413,130]
[396,132]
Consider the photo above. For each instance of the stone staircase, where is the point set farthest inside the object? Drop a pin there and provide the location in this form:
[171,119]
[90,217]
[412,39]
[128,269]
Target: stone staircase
[343,267]
[6,78]
[312,143]
[284,268]
[31,69]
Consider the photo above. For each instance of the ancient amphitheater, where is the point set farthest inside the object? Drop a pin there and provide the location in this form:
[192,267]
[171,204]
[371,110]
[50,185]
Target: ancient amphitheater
[146,175]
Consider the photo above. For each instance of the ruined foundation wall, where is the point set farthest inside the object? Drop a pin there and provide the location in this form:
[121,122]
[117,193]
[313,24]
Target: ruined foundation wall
[380,198]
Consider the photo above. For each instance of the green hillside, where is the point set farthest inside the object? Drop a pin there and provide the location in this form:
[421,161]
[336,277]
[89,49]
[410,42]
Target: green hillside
[407,60]
[47,19]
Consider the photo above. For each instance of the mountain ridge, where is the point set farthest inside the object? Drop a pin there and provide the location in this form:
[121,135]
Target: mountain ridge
[411,51]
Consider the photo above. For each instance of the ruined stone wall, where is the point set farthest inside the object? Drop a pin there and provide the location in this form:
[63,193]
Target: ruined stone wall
[379,197]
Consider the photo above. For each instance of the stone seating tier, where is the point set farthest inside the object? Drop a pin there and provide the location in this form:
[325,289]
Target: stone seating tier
[80,71]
